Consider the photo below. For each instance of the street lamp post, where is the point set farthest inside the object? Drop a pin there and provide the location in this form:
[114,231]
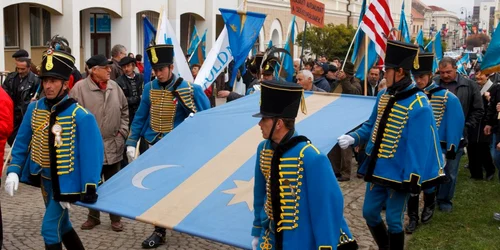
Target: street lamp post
[464,11]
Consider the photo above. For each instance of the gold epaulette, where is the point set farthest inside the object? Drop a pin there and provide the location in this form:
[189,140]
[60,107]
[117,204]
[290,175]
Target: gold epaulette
[398,117]
[65,154]
[438,104]
[40,154]
[163,109]
[187,96]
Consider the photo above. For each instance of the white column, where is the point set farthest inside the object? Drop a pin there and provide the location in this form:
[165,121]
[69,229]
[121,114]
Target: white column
[123,29]
[24,28]
[68,26]
[2,40]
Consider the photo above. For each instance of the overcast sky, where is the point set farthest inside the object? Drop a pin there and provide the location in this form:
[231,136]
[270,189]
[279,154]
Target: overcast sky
[453,5]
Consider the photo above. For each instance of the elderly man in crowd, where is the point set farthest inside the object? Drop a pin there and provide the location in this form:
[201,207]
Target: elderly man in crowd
[106,101]
[305,79]
[319,71]
[117,53]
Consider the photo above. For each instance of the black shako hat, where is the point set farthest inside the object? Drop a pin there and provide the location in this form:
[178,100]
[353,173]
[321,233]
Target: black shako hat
[57,64]
[401,55]
[160,55]
[280,99]
[426,62]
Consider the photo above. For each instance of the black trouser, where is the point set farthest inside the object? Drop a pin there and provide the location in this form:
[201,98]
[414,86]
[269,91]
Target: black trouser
[479,158]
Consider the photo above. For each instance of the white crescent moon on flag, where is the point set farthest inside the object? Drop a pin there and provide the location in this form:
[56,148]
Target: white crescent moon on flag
[139,177]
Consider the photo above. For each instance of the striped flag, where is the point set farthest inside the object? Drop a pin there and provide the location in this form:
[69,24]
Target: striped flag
[377,25]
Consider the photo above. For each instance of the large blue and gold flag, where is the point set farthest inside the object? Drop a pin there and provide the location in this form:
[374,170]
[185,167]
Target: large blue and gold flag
[243,29]
[149,36]
[403,26]
[198,56]
[360,46]
[420,40]
[199,178]
[195,39]
[491,60]
[287,70]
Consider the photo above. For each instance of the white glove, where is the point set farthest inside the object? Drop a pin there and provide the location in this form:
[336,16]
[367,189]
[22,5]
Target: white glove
[11,183]
[131,153]
[345,141]
[255,241]
[444,159]
[65,205]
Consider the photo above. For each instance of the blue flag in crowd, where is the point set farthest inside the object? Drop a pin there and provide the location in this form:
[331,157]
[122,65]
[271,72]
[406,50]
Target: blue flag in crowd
[360,36]
[270,44]
[199,181]
[420,39]
[403,26]
[360,47]
[491,60]
[243,29]
[460,64]
[435,47]
[287,61]
[149,35]
[198,56]
[195,39]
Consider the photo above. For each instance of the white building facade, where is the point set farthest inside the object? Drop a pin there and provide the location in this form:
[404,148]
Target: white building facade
[94,26]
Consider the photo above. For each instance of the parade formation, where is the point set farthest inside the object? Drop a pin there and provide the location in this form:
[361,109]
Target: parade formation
[72,135]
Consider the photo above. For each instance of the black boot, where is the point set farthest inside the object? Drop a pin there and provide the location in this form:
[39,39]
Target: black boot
[156,239]
[412,214]
[380,235]
[72,241]
[429,205]
[57,246]
[397,241]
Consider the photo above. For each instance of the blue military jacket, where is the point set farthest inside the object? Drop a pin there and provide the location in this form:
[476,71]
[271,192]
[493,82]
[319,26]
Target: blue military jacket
[408,155]
[163,109]
[449,118]
[308,185]
[71,159]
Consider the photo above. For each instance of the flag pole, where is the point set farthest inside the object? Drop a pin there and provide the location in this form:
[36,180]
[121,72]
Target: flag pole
[350,47]
[303,42]
[366,66]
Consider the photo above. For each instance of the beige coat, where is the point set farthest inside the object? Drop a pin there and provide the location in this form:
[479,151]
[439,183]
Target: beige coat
[110,109]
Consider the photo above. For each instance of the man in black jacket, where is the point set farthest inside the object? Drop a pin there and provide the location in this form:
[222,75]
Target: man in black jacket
[469,95]
[21,86]
[132,84]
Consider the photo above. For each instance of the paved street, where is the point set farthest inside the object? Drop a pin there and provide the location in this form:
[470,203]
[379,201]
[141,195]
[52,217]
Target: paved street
[22,215]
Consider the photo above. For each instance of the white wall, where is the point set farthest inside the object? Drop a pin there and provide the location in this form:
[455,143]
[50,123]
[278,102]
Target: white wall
[484,15]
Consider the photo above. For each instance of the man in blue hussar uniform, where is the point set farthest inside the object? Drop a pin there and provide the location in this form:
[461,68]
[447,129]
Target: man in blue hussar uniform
[403,149]
[58,147]
[166,102]
[450,122]
[298,203]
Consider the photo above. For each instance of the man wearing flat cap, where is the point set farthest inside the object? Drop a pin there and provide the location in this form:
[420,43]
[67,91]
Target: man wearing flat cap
[450,122]
[166,102]
[132,84]
[106,101]
[58,148]
[21,86]
[291,174]
[319,71]
[403,149]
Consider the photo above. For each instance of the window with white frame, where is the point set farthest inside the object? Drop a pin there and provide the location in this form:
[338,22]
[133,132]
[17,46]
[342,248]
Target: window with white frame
[39,26]
[11,24]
